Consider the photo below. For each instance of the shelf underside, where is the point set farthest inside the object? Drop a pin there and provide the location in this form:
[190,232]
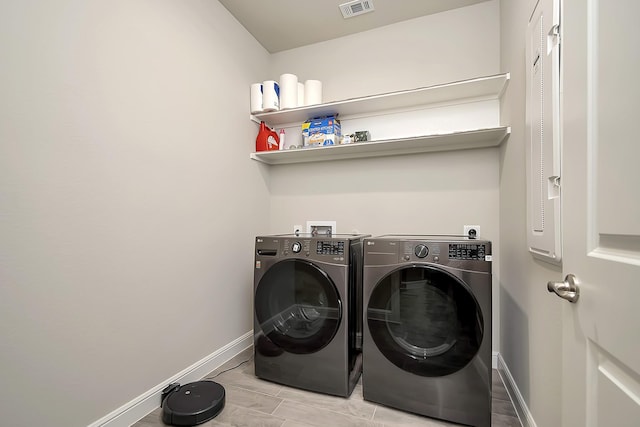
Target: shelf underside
[480,138]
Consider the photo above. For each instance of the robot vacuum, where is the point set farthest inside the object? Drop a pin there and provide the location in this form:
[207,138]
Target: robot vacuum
[192,404]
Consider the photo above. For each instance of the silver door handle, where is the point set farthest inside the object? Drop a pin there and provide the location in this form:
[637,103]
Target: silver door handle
[568,289]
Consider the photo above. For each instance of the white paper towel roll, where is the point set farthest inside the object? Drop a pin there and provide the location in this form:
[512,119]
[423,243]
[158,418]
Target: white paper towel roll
[312,92]
[288,91]
[256,98]
[300,94]
[270,95]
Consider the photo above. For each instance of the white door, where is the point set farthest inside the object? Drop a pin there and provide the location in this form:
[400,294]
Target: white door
[601,212]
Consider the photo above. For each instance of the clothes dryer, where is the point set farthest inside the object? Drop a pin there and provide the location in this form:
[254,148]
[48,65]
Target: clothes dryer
[427,326]
[308,311]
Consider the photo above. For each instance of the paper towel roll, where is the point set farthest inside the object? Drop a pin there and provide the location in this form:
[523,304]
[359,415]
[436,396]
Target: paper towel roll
[270,95]
[288,91]
[312,92]
[300,94]
[256,98]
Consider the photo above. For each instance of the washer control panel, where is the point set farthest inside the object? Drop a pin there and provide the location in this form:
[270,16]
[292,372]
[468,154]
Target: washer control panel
[467,251]
[329,247]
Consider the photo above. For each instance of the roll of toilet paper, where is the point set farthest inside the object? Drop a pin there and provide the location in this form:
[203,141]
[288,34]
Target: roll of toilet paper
[300,94]
[288,91]
[256,98]
[270,95]
[312,92]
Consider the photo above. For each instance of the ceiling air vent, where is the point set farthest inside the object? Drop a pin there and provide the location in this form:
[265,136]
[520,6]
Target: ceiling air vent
[355,8]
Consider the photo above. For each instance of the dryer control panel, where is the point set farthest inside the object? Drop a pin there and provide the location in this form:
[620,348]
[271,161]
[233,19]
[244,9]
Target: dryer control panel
[467,251]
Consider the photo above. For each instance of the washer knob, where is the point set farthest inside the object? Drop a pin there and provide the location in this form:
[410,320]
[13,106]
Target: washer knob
[296,247]
[421,251]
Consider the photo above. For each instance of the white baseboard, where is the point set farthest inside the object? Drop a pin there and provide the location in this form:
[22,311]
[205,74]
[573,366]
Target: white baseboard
[526,419]
[136,409]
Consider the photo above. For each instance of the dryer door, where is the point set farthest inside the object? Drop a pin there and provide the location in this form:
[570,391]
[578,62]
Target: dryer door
[425,321]
[297,306]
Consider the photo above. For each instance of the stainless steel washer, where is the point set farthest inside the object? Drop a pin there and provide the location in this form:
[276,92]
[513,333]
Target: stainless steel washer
[427,327]
[308,311]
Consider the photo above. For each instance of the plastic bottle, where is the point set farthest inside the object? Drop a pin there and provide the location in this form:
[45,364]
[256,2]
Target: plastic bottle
[267,139]
[281,145]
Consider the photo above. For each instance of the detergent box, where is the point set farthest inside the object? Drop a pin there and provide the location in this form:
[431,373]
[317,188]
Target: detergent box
[321,131]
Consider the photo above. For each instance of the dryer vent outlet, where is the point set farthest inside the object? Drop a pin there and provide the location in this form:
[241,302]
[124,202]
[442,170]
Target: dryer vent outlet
[472,231]
[321,228]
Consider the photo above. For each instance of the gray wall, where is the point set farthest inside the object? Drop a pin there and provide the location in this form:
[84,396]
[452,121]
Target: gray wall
[531,340]
[425,193]
[128,204]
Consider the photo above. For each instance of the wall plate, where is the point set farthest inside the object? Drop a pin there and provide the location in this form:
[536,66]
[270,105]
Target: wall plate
[322,228]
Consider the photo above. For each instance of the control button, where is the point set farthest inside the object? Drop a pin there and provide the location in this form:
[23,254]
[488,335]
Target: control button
[436,258]
[421,251]
[296,247]
[407,257]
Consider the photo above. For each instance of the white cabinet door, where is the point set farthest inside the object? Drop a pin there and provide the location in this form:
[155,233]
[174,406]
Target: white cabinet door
[601,212]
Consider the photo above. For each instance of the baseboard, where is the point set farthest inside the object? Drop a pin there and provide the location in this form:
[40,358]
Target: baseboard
[526,419]
[134,410]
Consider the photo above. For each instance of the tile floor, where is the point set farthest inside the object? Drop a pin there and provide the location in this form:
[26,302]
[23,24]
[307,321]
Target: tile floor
[254,402]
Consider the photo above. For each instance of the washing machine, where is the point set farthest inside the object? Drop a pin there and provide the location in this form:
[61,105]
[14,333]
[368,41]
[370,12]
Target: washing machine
[308,311]
[427,326]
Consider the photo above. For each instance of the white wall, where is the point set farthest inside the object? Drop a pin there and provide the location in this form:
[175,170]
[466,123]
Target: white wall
[530,329]
[128,204]
[425,193]
[445,47]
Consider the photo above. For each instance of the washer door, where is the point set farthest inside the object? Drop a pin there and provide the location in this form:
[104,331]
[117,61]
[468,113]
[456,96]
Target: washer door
[425,321]
[297,306]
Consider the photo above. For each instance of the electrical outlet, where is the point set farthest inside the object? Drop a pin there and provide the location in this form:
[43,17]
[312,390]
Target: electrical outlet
[297,229]
[472,231]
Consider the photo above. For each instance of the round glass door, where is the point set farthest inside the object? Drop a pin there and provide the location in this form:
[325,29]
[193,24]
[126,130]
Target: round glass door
[425,321]
[297,306]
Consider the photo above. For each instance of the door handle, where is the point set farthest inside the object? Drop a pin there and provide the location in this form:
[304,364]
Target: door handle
[568,289]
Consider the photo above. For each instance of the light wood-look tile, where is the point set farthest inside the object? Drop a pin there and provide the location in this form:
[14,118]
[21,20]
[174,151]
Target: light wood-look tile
[237,416]
[393,417]
[248,382]
[353,406]
[320,417]
[252,402]
[291,423]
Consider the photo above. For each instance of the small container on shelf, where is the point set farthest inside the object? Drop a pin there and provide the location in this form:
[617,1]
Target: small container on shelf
[362,136]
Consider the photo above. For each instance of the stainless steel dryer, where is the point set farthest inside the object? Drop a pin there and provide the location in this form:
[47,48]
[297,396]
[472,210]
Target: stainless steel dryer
[427,327]
[308,311]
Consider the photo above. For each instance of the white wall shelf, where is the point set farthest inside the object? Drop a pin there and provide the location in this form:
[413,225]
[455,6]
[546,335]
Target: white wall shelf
[490,87]
[456,93]
[480,138]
